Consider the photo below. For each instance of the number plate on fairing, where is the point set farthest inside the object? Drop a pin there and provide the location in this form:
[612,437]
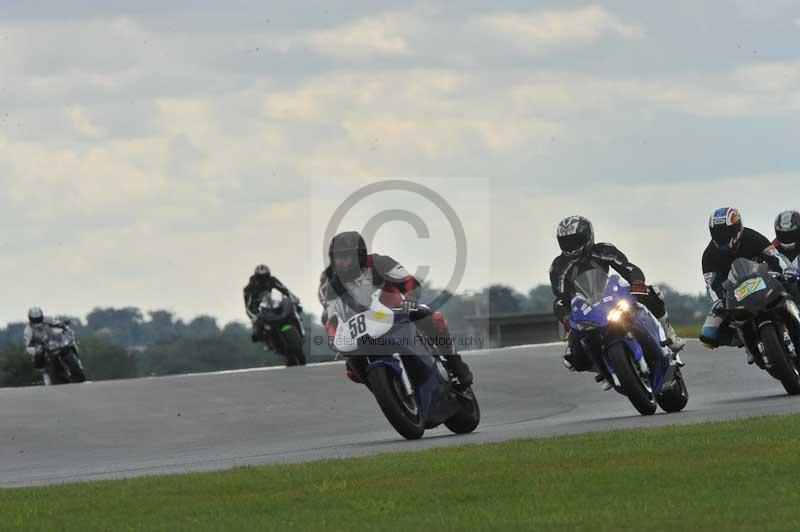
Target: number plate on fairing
[375,322]
[748,288]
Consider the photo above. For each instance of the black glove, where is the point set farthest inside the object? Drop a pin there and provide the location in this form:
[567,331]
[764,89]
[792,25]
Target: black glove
[639,288]
[791,275]
[718,308]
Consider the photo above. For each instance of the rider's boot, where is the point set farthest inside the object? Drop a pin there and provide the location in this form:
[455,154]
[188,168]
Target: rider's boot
[604,384]
[674,342]
[459,369]
[258,333]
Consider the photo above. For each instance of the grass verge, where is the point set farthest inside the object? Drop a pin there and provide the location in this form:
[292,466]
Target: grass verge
[730,476]
[688,331]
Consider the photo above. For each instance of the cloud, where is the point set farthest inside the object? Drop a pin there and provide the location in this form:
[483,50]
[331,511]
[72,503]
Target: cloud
[137,146]
[778,77]
[383,35]
[81,122]
[662,227]
[540,31]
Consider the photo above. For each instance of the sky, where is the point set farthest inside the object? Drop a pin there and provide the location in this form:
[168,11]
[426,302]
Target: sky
[151,155]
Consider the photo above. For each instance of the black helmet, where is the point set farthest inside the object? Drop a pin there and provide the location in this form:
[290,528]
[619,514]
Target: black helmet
[726,228]
[787,229]
[575,235]
[348,244]
[35,315]
[262,273]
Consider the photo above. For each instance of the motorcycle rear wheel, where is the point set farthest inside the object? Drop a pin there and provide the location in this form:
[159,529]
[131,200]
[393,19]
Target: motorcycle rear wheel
[674,399]
[468,418]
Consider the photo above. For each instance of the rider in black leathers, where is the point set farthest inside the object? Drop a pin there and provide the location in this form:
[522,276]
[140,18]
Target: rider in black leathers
[579,254]
[731,240]
[262,282]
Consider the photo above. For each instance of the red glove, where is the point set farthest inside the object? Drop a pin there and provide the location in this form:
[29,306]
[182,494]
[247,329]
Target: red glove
[639,288]
[565,323]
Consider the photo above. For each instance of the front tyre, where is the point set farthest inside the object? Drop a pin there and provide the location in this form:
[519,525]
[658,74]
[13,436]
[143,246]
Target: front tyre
[75,366]
[674,399]
[631,381]
[468,418]
[401,411]
[783,367]
[293,344]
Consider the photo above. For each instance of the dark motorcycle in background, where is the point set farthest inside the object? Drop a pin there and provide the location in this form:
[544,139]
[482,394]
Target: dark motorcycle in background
[766,319]
[62,362]
[282,328]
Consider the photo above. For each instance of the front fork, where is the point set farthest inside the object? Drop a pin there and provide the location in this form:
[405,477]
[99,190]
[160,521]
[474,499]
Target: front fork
[395,363]
[404,376]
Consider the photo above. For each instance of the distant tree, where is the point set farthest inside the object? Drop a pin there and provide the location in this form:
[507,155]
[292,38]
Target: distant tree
[16,367]
[160,327]
[503,299]
[540,299]
[191,355]
[685,309]
[121,326]
[103,360]
[201,327]
[12,334]
[236,327]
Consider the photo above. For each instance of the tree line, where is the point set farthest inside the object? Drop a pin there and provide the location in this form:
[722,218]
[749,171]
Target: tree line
[118,343]
[121,343]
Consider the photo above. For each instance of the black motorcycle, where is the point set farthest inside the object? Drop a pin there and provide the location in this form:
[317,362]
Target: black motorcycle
[766,319]
[62,362]
[282,328]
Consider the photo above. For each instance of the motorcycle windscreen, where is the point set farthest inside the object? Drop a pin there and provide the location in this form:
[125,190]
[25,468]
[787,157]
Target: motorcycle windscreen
[743,268]
[591,285]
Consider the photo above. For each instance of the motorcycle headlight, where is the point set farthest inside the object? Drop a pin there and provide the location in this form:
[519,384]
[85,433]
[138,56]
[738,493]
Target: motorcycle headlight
[622,308]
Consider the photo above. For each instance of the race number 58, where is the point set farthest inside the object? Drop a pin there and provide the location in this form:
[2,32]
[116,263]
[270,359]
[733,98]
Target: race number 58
[358,325]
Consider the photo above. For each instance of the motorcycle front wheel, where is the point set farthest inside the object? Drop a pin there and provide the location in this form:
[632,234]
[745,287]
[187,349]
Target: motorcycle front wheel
[75,367]
[293,344]
[631,381]
[400,410]
[783,367]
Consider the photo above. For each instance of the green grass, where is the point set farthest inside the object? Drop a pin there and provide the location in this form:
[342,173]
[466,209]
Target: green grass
[731,476]
[688,331]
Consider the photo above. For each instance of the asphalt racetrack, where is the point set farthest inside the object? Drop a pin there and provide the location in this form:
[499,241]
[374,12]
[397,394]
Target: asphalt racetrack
[117,429]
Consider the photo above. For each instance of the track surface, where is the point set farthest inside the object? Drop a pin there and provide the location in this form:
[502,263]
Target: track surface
[205,422]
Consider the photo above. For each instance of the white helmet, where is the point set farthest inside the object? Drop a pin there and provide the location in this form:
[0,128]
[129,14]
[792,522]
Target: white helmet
[35,315]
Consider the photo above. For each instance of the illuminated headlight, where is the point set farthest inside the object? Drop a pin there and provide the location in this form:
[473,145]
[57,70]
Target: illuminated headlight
[620,310]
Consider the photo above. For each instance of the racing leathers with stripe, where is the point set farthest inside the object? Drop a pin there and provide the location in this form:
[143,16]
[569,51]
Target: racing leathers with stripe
[716,267]
[383,272]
